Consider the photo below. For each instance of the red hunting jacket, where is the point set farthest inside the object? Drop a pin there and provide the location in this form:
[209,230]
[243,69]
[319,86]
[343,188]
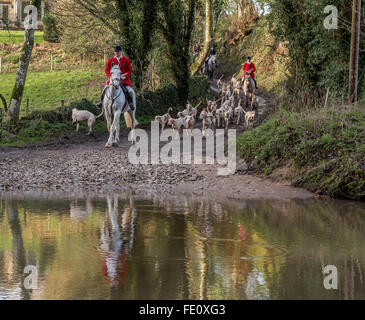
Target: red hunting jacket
[248,67]
[125,67]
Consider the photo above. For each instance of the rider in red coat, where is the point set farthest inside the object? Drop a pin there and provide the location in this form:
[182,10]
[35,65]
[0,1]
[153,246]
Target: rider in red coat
[126,69]
[250,68]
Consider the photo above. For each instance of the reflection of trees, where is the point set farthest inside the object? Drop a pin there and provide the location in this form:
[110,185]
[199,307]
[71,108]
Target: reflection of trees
[322,233]
[179,248]
[2,211]
[18,246]
[214,250]
[78,211]
[349,280]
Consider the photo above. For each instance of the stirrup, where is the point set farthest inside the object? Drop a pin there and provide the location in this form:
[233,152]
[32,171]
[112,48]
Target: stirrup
[131,106]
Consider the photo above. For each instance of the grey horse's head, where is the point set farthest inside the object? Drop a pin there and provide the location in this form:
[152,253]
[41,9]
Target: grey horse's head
[212,61]
[115,76]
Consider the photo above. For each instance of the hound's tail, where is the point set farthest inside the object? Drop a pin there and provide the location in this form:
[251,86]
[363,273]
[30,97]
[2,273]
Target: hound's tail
[100,114]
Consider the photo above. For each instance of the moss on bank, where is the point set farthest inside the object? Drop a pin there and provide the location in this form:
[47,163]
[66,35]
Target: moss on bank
[323,150]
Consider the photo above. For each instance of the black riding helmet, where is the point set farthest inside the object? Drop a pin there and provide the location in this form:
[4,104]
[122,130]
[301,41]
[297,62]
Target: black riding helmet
[117,48]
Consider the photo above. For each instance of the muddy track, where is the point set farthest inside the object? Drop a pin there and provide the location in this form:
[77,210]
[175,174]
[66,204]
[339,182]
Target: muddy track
[84,165]
[81,163]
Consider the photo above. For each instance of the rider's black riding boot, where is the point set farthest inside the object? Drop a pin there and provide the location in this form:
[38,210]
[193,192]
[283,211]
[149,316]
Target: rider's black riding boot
[130,101]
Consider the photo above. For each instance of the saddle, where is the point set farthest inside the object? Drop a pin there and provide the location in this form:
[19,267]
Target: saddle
[252,82]
[125,91]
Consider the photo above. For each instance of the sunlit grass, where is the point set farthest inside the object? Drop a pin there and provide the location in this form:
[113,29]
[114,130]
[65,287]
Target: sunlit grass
[17,36]
[46,89]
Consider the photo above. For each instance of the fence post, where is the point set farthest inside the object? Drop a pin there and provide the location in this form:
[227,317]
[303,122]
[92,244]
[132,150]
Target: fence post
[326,101]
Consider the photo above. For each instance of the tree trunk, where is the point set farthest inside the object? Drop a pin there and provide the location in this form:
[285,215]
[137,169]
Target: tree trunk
[24,60]
[136,34]
[182,83]
[177,25]
[355,48]
[239,9]
[207,39]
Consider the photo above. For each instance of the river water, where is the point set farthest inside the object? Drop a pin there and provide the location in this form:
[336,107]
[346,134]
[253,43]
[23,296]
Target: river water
[131,247]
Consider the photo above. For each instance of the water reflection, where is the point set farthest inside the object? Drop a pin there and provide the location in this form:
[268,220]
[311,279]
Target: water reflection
[121,247]
[116,241]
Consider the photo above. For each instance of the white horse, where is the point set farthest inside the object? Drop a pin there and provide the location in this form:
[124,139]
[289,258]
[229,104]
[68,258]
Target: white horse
[249,90]
[211,65]
[114,104]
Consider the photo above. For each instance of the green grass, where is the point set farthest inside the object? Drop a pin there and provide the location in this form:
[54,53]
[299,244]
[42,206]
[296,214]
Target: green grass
[46,89]
[45,121]
[41,126]
[17,36]
[324,149]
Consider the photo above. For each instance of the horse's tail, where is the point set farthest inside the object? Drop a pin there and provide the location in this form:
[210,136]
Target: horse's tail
[129,120]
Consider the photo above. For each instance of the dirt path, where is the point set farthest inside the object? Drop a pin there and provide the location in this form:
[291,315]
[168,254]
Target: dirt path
[84,165]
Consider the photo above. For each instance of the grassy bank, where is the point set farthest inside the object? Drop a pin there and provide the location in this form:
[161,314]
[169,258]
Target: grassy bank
[322,151]
[41,126]
[17,36]
[45,90]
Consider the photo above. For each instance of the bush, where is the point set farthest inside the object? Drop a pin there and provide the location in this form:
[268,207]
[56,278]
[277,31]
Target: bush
[50,30]
[62,114]
[42,125]
[12,58]
[80,41]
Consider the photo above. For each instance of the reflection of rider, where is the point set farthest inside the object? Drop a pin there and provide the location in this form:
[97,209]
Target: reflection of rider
[126,70]
[250,68]
[115,254]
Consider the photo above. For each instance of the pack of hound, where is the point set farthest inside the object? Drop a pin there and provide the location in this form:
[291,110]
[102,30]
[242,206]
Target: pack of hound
[229,109]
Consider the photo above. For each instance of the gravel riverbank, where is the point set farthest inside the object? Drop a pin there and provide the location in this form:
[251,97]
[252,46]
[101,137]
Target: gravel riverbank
[89,167]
